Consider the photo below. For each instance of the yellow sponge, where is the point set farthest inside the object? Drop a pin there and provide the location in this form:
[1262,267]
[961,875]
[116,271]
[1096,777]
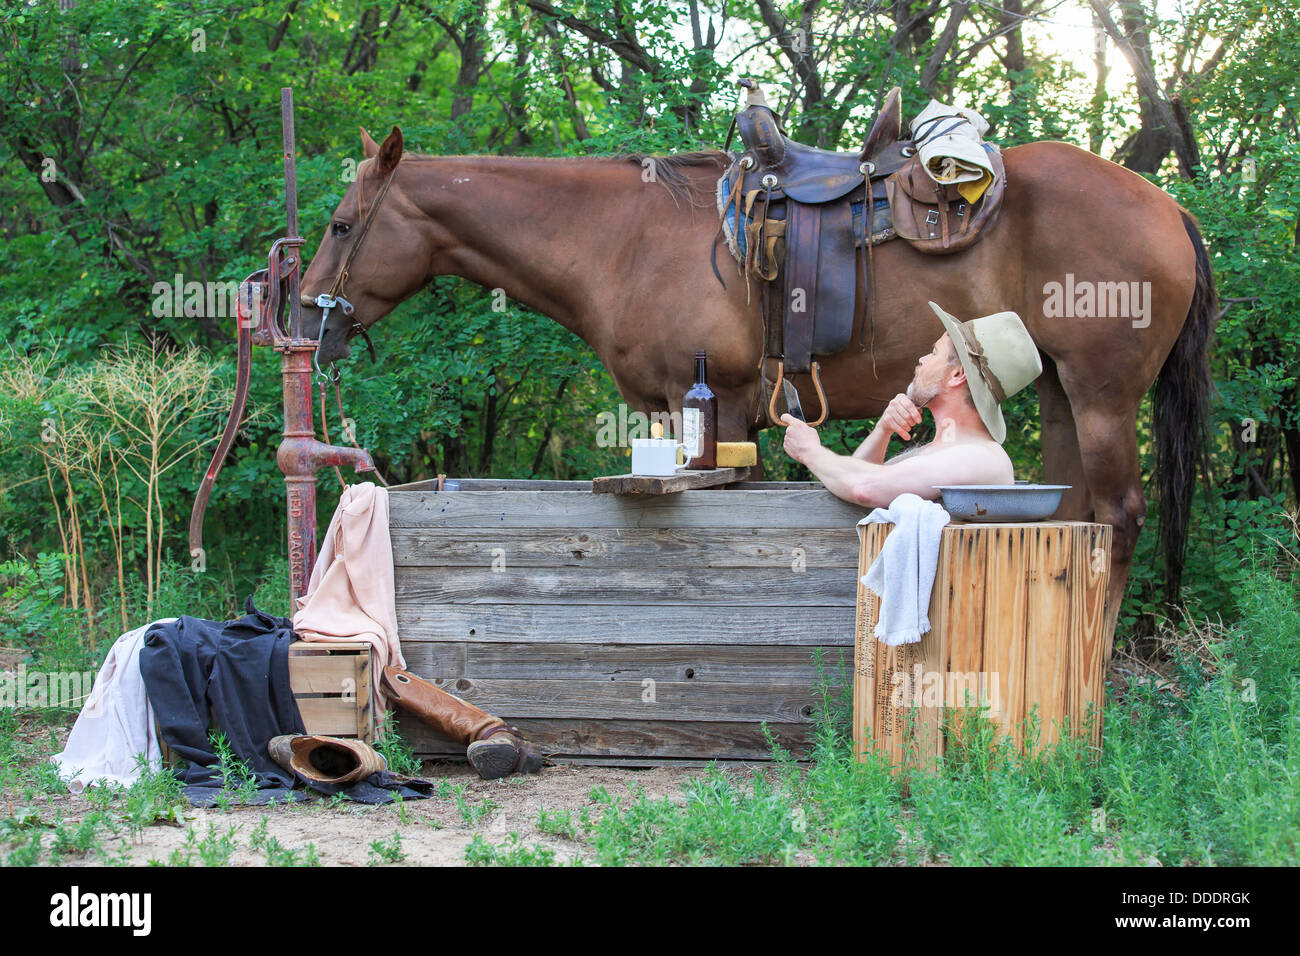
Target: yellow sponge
[737,454]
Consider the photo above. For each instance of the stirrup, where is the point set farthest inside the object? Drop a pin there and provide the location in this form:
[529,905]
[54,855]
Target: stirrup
[780,377]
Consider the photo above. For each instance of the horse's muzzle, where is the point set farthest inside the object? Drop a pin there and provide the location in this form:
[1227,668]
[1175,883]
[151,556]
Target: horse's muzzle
[333,340]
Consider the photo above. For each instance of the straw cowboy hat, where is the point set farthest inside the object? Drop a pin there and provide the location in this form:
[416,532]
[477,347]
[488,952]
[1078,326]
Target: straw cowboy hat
[999,358]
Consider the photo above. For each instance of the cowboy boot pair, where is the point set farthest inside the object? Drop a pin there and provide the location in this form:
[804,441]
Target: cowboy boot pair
[493,748]
[334,760]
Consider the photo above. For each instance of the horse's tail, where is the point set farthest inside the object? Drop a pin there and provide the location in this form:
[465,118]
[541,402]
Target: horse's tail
[1181,411]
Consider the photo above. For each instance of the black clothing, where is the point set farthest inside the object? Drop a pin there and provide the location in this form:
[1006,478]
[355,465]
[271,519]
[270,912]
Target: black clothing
[233,677]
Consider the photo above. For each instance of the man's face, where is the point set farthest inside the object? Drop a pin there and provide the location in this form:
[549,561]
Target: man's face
[932,371]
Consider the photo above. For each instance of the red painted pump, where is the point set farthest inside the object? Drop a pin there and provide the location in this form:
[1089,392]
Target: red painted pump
[263,298]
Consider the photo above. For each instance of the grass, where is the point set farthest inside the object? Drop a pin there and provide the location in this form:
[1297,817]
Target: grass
[1198,767]
[512,852]
[1201,771]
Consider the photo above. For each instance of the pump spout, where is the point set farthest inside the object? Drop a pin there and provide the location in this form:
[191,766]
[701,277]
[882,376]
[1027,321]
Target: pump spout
[302,457]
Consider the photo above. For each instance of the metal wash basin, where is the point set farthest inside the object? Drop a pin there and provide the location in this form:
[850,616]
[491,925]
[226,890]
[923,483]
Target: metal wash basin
[1018,502]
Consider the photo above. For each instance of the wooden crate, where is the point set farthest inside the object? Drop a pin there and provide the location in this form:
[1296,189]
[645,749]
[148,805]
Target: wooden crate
[628,630]
[1022,607]
[331,683]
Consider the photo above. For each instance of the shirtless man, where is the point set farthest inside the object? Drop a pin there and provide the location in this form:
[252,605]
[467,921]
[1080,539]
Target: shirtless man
[973,367]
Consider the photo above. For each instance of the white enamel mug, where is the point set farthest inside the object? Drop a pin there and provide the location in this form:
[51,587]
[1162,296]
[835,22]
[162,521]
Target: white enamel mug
[655,457]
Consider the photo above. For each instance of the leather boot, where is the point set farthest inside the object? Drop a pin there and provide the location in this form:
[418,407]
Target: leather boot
[494,750]
[334,760]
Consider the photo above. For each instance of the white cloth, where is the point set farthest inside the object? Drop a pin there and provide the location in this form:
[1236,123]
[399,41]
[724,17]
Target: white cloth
[351,593]
[903,573]
[116,723]
[952,151]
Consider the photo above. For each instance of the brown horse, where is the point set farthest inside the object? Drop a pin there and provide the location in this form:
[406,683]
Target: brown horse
[621,258]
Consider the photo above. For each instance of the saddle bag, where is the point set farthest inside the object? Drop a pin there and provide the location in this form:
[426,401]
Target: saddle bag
[933,217]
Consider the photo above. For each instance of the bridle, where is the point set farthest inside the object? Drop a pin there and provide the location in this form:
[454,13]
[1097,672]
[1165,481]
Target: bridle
[333,299]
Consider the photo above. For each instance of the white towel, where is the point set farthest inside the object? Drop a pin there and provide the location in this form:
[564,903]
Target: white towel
[903,573]
[951,147]
[115,726]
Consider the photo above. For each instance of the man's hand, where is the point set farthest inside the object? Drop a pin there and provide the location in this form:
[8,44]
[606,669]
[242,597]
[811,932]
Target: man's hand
[801,439]
[900,417]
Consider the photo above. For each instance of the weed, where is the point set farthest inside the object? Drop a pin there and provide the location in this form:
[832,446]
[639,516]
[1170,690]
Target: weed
[399,804]
[81,840]
[26,854]
[471,814]
[216,849]
[394,749]
[183,855]
[386,851]
[277,854]
[23,818]
[238,780]
[154,797]
[510,853]
[556,823]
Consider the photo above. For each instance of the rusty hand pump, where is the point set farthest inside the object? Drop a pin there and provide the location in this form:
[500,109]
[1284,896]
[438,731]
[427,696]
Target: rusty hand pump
[263,299]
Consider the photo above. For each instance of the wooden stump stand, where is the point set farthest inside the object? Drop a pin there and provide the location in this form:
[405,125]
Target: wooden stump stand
[1017,620]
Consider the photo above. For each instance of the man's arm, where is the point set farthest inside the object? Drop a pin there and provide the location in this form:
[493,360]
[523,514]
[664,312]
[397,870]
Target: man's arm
[898,418]
[954,464]
[875,486]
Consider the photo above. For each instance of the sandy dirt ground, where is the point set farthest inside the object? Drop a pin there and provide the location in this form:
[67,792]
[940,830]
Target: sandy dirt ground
[433,831]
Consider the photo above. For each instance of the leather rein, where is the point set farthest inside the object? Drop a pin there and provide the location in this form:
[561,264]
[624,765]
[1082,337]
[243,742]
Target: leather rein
[333,299]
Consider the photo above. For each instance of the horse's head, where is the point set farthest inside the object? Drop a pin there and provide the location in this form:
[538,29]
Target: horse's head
[375,265]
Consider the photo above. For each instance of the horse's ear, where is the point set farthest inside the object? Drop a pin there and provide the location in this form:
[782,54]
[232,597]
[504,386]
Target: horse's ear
[369,145]
[390,153]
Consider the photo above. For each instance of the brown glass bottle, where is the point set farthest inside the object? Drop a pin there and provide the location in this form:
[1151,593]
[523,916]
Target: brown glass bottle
[700,420]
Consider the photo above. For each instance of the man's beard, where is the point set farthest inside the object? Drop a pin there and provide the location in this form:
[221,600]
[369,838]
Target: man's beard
[922,395]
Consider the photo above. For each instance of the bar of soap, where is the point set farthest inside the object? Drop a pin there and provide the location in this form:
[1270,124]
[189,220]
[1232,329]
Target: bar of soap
[737,454]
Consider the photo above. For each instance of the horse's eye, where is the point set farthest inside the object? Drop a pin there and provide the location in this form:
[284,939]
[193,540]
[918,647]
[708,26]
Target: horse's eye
[341,229]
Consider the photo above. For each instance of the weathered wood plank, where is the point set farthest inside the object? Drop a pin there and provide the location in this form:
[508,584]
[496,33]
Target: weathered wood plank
[1004,625]
[707,508]
[497,484]
[334,674]
[685,480]
[1047,628]
[624,624]
[639,699]
[757,587]
[1088,642]
[929,700]
[778,664]
[625,548]
[964,597]
[331,716]
[865,718]
[618,737]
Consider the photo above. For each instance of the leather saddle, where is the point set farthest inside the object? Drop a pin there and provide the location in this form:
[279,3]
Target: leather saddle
[794,217]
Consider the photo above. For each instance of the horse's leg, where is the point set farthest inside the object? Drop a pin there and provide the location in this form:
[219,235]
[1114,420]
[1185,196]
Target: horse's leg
[1062,463]
[1106,426]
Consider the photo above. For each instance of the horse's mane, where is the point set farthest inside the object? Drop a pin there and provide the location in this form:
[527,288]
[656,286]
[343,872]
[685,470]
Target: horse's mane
[673,171]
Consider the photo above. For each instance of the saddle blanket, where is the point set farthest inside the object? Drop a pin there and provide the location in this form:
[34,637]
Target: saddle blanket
[950,141]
